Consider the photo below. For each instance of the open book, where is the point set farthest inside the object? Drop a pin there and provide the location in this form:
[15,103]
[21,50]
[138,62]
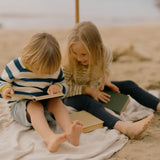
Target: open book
[118,101]
[90,122]
[34,98]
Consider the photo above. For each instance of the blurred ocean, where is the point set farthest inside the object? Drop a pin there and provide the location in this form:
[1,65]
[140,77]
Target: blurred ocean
[61,13]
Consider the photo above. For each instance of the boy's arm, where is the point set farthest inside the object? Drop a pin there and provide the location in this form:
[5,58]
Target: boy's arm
[61,82]
[6,92]
[6,79]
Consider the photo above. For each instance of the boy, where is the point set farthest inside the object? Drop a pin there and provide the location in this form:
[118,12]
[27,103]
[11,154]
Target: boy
[37,72]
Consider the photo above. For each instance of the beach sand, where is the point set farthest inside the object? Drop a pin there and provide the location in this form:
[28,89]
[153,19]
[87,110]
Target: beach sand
[137,57]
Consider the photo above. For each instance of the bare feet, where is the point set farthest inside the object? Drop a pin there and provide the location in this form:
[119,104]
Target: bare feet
[75,132]
[136,129]
[55,140]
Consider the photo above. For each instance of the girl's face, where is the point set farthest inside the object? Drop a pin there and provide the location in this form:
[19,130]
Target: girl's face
[80,53]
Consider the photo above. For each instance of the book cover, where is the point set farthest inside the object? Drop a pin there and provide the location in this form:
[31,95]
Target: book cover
[34,98]
[90,122]
[118,101]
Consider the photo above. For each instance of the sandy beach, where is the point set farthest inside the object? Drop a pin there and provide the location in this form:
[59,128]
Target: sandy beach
[136,57]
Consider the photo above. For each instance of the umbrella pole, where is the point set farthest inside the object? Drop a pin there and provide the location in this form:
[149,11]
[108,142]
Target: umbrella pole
[77,11]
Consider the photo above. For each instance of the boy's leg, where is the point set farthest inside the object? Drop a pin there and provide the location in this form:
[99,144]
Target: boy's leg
[35,114]
[58,109]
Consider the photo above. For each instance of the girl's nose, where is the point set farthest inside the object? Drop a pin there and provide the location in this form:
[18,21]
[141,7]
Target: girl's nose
[79,59]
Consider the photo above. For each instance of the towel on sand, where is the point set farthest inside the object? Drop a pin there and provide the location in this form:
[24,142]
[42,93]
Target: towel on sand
[18,142]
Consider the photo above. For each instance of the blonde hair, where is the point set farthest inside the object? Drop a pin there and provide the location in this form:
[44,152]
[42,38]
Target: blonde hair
[42,54]
[88,34]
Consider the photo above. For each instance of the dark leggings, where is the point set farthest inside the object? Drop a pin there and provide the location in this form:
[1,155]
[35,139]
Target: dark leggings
[86,102]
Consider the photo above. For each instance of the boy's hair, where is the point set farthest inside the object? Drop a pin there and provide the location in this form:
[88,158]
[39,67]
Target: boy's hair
[88,34]
[42,54]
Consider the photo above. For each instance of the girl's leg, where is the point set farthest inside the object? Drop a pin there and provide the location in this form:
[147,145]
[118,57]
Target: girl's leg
[58,109]
[35,114]
[137,93]
[134,130]
[158,107]
[85,102]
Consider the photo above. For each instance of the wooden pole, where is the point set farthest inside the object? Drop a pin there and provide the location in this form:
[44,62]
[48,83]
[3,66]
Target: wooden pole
[77,11]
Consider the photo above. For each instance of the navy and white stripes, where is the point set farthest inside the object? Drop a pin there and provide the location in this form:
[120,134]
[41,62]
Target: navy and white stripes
[26,82]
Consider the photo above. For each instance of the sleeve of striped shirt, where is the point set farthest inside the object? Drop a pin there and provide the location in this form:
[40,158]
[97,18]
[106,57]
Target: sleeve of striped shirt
[61,82]
[108,59]
[73,88]
[6,78]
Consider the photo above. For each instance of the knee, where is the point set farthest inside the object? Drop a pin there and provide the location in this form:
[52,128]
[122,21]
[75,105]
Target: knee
[132,84]
[56,102]
[34,106]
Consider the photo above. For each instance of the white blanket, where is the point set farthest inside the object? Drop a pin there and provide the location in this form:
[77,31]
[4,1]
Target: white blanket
[22,143]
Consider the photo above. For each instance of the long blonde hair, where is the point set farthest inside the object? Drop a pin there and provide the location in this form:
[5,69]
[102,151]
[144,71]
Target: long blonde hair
[88,34]
[42,54]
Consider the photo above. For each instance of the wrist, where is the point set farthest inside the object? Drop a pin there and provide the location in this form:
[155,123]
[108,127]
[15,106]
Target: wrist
[4,88]
[58,85]
[84,90]
[88,90]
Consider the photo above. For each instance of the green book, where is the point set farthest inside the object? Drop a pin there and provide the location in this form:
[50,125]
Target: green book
[118,101]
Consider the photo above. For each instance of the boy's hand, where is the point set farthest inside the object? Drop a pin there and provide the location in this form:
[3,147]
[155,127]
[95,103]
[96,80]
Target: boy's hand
[7,91]
[54,89]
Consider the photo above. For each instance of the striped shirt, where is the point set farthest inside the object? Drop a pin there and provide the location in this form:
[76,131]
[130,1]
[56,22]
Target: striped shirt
[23,81]
[81,78]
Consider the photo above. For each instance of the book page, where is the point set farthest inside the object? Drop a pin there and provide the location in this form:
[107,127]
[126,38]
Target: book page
[34,98]
[48,96]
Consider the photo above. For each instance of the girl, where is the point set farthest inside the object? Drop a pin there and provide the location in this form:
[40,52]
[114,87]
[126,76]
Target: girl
[87,71]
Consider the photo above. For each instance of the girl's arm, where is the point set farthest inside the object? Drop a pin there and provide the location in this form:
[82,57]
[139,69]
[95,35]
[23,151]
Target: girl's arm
[72,87]
[110,85]
[97,94]
[108,61]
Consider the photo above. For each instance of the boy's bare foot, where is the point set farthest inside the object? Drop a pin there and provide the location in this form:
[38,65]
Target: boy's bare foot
[137,128]
[55,140]
[75,132]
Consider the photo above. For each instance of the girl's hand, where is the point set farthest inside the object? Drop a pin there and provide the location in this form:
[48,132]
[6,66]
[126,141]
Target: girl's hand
[102,96]
[7,91]
[98,95]
[113,87]
[110,85]
[54,89]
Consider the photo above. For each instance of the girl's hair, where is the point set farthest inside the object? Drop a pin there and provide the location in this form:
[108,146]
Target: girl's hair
[88,34]
[42,54]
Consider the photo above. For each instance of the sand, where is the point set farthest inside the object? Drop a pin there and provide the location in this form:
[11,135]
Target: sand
[137,57]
